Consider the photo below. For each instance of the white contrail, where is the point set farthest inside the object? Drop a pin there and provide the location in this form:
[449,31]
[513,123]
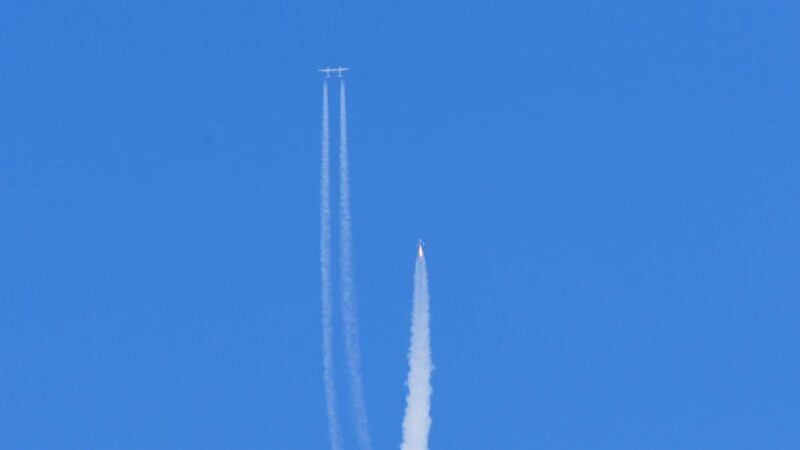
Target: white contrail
[417,421]
[349,313]
[325,264]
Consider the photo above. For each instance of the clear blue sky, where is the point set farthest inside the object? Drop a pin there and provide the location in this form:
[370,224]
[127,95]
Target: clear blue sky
[609,194]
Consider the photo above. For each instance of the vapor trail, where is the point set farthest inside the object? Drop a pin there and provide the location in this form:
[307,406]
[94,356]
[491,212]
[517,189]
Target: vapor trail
[417,421]
[349,313]
[325,265]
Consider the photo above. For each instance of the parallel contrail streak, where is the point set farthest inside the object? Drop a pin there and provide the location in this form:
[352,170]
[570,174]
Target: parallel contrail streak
[349,313]
[325,265]
[417,420]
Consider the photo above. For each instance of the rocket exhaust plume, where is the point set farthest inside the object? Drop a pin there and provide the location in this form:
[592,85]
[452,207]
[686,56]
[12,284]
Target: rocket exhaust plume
[349,312]
[417,420]
[325,265]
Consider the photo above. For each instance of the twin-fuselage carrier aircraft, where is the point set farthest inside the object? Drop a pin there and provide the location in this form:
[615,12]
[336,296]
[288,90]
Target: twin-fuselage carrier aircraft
[337,70]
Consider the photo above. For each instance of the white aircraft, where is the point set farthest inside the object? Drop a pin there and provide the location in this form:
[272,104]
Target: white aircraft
[338,70]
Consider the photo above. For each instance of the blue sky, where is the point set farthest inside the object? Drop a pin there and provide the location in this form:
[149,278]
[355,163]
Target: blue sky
[608,192]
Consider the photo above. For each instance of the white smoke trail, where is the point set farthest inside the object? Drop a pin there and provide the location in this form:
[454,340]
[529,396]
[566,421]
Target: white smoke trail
[349,313]
[417,421]
[325,265]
